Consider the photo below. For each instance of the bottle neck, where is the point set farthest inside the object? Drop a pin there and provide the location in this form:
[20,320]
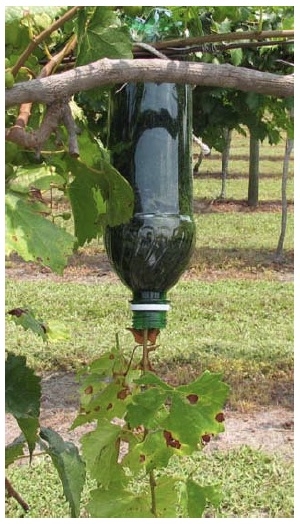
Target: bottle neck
[149,310]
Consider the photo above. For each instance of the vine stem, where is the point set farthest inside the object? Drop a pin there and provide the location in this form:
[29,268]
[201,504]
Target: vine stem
[11,492]
[145,360]
[146,365]
[152,489]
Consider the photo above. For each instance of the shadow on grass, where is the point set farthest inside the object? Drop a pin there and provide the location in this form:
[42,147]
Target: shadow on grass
[206,205]
[205,174]
[239,259]
[251,383]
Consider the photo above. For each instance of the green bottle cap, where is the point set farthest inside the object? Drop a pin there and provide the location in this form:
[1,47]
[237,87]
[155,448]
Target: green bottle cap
[149,310]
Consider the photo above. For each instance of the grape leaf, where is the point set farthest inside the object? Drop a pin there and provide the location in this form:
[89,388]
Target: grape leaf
[152,453]
[190,420]
[18,13]
[33,236]
[22,396]
[149,378]
[209,388]
[144,407]
[166,497]
[101,452]
[118,503]
[14,450]
[103,37]
[198,497]
[99,197]
[236,56]
[41,177]
[69,465]
[25,317]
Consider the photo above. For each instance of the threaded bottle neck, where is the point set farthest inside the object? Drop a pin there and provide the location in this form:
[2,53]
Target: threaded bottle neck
[149,310]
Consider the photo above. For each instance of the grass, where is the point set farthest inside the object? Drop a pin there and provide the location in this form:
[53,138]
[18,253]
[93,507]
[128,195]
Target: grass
[209,187]
[236,318]
[244,327]
[253,485]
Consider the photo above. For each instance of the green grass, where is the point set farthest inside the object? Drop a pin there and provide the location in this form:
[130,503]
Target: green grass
[209,187]
[253,485]
[245,327]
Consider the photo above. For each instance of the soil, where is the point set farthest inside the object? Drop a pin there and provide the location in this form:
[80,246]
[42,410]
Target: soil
[270,429]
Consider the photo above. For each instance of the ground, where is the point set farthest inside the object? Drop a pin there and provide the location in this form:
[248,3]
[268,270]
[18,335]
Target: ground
[270,430]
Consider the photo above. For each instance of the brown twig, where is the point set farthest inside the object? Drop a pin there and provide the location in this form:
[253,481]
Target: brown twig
[11,492]
[223,37]
[205,48]
[34,140]
[152,490]
[55,112]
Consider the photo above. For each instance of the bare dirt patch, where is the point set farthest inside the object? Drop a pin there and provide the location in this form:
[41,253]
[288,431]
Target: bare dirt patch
[269,430]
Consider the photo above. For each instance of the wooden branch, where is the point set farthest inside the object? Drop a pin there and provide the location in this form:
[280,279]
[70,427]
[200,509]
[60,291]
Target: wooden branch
[35,139]
[213,49]
[107,72]
[223,37]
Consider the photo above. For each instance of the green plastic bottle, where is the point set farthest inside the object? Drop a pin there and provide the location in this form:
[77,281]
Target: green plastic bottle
[150,139]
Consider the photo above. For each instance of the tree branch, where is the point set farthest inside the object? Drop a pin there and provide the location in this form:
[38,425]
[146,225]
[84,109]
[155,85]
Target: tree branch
[106,72]
[35,139]
[223,37]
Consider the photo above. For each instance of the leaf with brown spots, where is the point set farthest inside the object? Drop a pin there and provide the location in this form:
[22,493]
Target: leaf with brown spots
[170,441]
[220,417]
[123,393]
[192,398]
[205,438]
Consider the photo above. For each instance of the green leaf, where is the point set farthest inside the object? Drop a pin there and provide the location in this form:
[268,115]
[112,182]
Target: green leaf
[56,330]
[210,388]
[152,453]
[236,56]
[26,318]
[144,408]
[103,38]
[69,465]
[22,397]
[99,197]
[194,408]
[100,450]
[33,236]
[14,450]
[42,178]
[17,13]
[118,503]
[149,378]
[255,101]
[198,497]
[166,497]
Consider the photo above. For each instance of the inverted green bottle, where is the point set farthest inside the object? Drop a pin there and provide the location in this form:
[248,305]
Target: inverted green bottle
[150,139]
